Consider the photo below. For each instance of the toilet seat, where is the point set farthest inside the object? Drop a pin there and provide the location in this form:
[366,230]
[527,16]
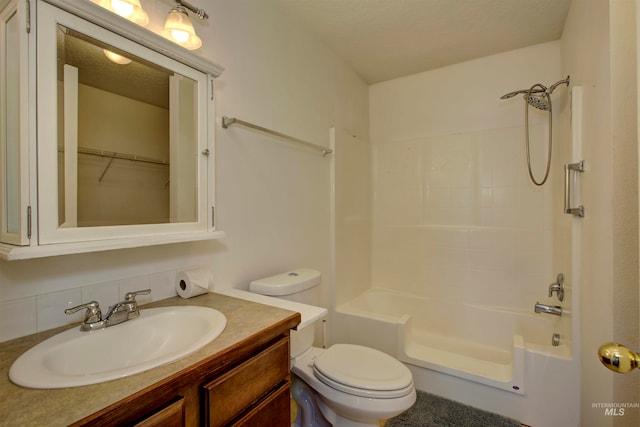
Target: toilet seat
[363,371]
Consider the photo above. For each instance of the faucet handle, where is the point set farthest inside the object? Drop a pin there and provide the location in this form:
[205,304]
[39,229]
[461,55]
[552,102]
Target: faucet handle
[558,287]
[131,296]
[93,313]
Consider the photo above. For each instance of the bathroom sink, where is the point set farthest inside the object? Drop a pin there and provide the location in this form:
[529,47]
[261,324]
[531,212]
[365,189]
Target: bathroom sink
[159,336]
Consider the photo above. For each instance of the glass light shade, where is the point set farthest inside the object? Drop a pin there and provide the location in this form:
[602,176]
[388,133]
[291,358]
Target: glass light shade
[128,9]
[124,8]
[114,57]
[179,28]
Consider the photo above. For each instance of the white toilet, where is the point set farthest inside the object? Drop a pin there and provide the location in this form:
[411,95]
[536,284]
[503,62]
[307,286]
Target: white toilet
[350,385]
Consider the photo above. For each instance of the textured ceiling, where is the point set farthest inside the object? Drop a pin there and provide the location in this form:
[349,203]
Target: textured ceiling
[138,80]
[386,39]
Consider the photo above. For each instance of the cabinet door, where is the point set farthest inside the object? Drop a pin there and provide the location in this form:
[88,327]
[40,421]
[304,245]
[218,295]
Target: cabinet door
[120,154]
[14,123]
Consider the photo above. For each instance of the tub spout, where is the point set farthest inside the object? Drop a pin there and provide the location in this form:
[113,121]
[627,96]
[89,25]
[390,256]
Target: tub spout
[556,310]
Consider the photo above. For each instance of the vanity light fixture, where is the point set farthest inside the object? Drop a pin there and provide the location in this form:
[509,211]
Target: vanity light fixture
[128,9]
[179,28]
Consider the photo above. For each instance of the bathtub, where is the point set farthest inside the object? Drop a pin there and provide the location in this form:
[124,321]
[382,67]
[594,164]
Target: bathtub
[495,359]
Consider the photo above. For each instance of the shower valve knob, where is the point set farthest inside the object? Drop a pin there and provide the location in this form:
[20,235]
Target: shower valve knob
[557,287]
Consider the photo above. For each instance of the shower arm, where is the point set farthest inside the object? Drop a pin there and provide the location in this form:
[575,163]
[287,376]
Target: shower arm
[541,88]
[555,85]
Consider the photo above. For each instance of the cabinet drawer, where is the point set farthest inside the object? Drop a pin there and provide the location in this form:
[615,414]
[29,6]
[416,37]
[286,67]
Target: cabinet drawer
[274,411]
[233,392]
[171,415]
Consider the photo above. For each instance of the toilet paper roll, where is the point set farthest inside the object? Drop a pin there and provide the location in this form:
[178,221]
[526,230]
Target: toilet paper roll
[191,283]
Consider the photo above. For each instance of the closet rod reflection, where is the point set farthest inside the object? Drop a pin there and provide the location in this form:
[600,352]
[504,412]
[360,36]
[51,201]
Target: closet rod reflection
[116,155]
[228,121]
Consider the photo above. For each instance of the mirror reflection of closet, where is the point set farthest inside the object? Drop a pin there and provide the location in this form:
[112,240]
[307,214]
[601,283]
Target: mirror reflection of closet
[127,137]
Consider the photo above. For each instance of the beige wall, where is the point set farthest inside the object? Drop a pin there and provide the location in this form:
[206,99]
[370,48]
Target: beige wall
[598,50]
[624,120]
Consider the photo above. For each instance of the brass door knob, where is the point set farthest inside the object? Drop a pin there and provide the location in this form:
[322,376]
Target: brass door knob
[618,358]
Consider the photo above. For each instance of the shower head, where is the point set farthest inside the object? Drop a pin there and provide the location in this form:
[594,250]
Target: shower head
[538,100]
[537,95]
[518,92]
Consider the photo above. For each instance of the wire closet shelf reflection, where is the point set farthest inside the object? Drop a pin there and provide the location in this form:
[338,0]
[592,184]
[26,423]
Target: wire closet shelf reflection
[228,121]
[116,155]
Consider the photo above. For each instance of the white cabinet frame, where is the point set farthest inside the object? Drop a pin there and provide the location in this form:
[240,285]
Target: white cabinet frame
[14,100]
[38,182]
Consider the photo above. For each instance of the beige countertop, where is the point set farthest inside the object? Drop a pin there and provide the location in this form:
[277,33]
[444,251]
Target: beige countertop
[21,406]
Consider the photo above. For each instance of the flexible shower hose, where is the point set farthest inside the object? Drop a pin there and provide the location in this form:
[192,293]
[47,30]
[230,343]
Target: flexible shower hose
[526,130]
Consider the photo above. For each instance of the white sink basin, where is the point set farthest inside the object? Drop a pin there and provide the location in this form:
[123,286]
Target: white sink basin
[159,336]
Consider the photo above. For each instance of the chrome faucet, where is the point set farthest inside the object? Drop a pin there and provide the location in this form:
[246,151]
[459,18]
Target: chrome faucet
[556,310]
[124,310]
[117,313]
[93,315]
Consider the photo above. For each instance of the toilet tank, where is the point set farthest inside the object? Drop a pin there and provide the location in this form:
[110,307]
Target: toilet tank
[300,285]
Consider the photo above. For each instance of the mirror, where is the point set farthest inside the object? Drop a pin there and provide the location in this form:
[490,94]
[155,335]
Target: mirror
[127,137]
[11,124]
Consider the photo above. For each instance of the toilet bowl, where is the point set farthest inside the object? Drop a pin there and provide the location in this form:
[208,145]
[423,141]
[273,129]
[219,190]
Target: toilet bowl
[355,385]
[349,385]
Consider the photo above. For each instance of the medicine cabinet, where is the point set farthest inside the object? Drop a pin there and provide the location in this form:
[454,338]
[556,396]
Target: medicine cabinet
[107,133]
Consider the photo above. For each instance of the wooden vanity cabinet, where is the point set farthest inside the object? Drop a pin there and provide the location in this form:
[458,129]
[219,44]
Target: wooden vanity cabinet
[248,385]
[264,377]
[171,415]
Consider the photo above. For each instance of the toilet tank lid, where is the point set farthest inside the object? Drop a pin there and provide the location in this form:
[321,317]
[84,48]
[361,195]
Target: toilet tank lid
[287,283]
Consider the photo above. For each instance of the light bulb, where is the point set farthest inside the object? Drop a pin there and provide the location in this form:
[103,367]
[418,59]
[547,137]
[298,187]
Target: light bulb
[178,27]
[180,36]
[128,9]
[114,57]
[122,8]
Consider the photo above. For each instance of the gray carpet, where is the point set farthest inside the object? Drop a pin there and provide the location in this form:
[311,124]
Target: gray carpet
[435,411]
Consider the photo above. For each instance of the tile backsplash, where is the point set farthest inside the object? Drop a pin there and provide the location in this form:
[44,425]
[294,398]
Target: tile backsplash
[25,316]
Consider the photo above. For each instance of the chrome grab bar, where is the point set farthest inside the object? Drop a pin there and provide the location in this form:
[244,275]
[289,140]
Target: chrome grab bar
[577,167]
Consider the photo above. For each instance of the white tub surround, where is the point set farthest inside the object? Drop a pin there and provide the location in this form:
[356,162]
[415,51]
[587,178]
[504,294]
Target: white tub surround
[471,353]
